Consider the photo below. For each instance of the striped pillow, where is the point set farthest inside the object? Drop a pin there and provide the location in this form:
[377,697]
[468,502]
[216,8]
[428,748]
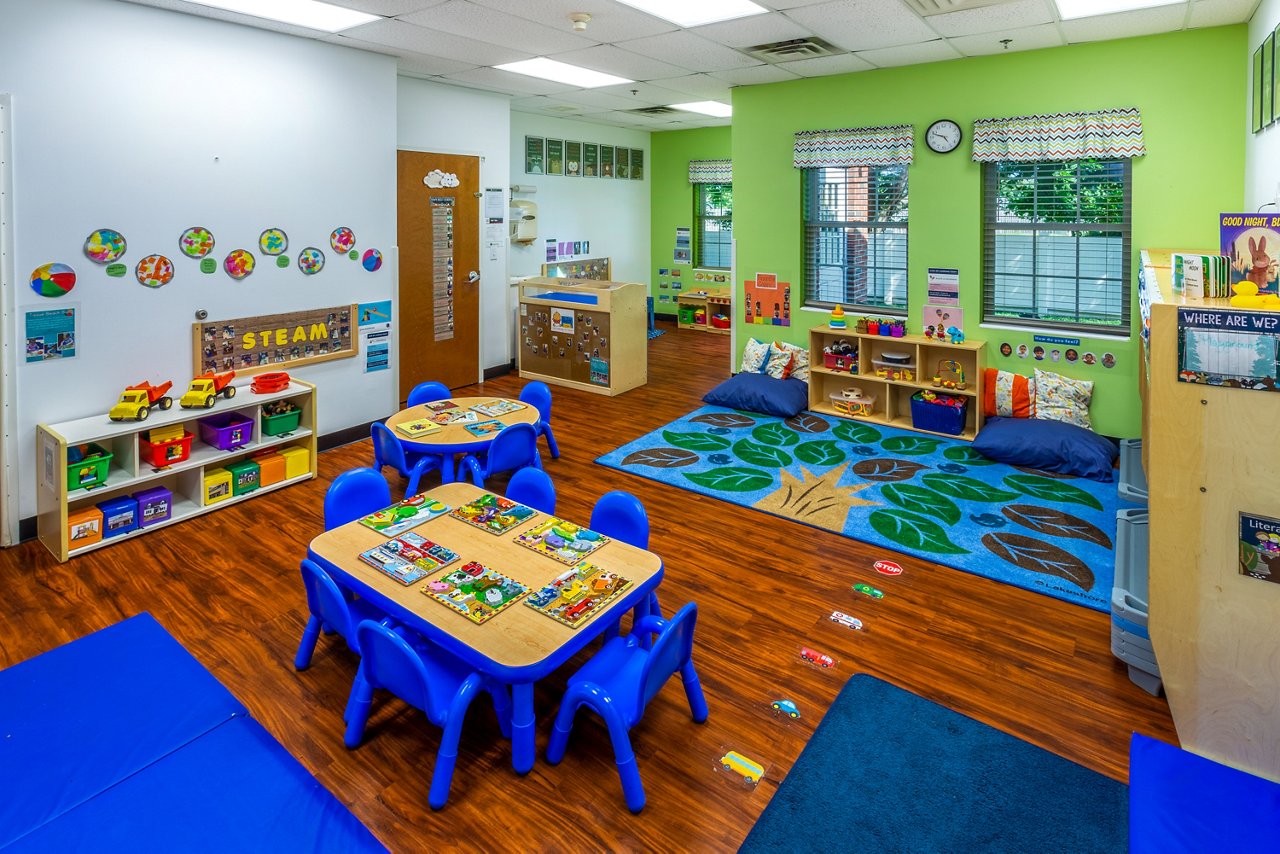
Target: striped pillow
[1008,394]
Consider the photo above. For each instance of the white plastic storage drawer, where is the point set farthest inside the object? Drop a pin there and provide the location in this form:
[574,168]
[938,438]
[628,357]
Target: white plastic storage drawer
[1133,480]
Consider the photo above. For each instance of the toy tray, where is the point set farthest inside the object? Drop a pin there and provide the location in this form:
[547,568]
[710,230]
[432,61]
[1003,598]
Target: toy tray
[493,513]
[475,591]
[577,595]
[561,540]
[410,513]
[408,558]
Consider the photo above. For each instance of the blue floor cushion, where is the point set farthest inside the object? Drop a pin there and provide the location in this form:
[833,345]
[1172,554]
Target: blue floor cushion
[760,393]
[1049,446]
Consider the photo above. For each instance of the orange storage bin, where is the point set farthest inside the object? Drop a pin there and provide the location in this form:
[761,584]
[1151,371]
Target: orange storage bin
[84,527]
[272,466]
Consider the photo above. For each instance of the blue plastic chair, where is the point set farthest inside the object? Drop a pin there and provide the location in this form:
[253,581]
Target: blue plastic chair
[387,451]
[332,609]
[428,392]
[620,515]
[515,447]
[618,683]
[538,395]
[428,679]
[533,487]
[353,495]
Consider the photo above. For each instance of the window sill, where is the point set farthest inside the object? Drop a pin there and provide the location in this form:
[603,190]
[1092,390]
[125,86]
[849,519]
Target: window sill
[1056,333]
[856,311]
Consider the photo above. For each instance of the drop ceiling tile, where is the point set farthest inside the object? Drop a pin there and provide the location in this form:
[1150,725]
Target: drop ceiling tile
[506,81]
[1024,38]
[554,105]
[755,75]
[387,8]
[624,63]
[843,63]
[230,17]
[421,62]
[754,30]
[634,119]
[864,24]
[1216,13]
[687,50]
[910,54]
[435,43]
[602,100]
[1162,19]
[464,84]
[988,19]
[783,5]
[610,21]
[467,19]
[702,86]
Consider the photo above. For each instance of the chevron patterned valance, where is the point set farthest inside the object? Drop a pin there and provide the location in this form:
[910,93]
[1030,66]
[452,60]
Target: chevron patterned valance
[882,146]
[710,171]
[1060,136]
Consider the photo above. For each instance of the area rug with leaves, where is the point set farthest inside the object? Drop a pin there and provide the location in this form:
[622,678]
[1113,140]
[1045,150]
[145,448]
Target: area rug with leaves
[925,495]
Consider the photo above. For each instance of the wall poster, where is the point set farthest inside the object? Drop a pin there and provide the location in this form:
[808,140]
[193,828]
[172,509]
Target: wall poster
[442,266]
[590,159]
[555,157]
[50,332]
[533,155]
[373,319]
[1260,547]
[606,161]
[273,342]
[573,159]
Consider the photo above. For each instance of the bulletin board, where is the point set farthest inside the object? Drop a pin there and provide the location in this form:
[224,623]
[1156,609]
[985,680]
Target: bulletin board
[596,269]
[1231,348]
[274,342]
[569,346]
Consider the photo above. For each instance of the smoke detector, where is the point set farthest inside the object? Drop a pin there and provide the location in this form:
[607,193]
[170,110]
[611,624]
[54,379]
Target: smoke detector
[579,20]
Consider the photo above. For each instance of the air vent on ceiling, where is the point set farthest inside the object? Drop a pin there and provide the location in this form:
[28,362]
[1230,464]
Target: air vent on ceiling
[563,108]
[941,7]
[793,49]
[652,111]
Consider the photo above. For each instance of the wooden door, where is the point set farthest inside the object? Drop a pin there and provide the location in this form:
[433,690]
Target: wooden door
[438,231]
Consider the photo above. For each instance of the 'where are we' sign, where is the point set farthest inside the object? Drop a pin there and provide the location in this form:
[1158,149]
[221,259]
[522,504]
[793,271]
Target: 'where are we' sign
[1229,347]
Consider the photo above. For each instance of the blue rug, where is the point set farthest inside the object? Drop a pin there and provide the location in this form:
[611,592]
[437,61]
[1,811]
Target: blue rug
[889,771]
[924,495]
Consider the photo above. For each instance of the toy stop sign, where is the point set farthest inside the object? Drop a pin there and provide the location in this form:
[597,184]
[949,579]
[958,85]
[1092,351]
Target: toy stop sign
[887,567]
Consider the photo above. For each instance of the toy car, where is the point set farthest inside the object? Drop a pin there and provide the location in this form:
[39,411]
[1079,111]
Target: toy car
[845,620]
[739,764]
[868,590]
[814,657]
[204,390]
[787,707]
[138,400]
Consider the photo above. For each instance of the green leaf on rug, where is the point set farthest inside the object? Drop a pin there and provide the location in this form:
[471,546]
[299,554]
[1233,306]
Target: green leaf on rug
[966,488]
[913,532]
[732,479]
[1055,523]
[911,445]
[1048,489]
[926,502]
[696,441]
[774,433]
[886,469]
[968,456]
[1038,556]
[724,419]
[822,452]
[661,458]
[855,433]
[807,422]
[761,455]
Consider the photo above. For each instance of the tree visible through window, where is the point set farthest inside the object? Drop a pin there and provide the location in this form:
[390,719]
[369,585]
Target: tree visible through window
[713,225]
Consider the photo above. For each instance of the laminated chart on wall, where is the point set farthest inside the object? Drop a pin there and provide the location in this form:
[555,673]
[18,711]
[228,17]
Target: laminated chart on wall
[442,266]
[1236,349]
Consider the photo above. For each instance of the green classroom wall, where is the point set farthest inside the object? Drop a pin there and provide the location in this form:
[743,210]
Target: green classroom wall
[1188,86]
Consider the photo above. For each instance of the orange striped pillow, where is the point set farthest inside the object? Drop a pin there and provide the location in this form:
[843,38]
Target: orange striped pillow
[1006,393]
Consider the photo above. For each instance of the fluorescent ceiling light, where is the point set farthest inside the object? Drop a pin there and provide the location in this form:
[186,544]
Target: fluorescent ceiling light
[303,13]
[707,108]
[562,72]
[694,13]
[1069,9]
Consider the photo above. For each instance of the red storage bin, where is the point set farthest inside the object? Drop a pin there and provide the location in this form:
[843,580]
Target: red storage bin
[161,454]
[845,362]
[719,322]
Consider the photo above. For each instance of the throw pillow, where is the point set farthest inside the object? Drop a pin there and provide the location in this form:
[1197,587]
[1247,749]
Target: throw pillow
[754,356]
[1060,398]
[1008,394]
[799,360]
[778,365]
[758,393]
[1049,446]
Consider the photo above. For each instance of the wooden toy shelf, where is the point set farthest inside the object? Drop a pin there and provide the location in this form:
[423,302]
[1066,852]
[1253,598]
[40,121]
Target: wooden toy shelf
[129,471]
[893,396]
[711,300]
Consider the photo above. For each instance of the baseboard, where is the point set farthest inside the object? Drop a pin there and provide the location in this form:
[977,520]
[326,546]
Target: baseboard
[670,317]
[499,370]
[27,529]
[346,436]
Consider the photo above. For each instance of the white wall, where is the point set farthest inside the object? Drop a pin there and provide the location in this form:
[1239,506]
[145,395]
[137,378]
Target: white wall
[612,214]
[1261,150]
[453,120]
[149,121]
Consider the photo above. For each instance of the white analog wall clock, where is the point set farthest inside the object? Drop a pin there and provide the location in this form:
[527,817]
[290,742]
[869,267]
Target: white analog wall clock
[943,136]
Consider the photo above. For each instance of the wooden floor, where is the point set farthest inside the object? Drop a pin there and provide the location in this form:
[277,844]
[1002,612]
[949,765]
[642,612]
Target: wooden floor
[227,586]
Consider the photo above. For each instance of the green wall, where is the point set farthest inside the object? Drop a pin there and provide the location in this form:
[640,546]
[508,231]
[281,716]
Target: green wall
[1188,85]
[671,194]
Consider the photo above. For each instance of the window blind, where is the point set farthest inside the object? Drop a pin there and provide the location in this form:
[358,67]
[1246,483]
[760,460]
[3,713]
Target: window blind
[713,221]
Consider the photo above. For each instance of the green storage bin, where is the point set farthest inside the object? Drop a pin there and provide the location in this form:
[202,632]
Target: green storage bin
[686,314]
[87,466]
[246,476]
[284,422]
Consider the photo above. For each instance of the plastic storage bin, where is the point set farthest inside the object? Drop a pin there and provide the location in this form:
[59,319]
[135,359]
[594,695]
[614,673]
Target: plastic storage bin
[281,422]
[84,527]
[297,462]
[167,452]
[245,476]
[858,407]
[217,486]
[840,361]
[1130,639]
[154,505]
[894,370]
[119,516]
[1133,480]
[87,465]
[226,431]
[945,417]
[719,321]
[270,468]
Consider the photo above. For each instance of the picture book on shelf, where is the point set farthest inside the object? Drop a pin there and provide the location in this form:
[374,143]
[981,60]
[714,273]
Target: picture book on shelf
[440,405]
[410,513]
[475,591]
[484,428]
[561,540]
[408,558]
[493,513]
[578,594]
[417,427]
[498,408]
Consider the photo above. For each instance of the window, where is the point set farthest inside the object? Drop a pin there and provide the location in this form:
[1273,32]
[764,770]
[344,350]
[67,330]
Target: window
[1056,243]
[713,225]
[855,237]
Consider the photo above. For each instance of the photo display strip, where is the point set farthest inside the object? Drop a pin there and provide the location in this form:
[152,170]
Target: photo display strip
[442,266]
[250,345]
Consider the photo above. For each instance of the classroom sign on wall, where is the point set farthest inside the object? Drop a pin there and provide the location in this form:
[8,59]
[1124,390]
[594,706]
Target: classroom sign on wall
[273,342]
[1228,347]
[50,333]
[1260,547]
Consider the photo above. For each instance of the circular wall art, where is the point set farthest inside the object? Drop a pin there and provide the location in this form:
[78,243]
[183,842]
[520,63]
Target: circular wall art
[239,263]
[343,240]
[196,242]
[311,260]
[372,260]
[154,271]
[273,241]
[53,280]
[104,246]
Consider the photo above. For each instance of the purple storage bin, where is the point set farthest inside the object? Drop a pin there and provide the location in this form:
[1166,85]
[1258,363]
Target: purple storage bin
[154,505]
[226,431]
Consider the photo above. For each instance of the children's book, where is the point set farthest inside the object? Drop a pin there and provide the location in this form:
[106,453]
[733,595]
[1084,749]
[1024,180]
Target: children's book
[418,427]
[561,540]
[409,513]
[440,405]
[408,558]
[484,428]
[493,513]
[578,594]
[475,591]
[456,416]
[498,408]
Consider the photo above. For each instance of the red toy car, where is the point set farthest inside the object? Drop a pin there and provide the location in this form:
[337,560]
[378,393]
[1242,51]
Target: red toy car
[814,657]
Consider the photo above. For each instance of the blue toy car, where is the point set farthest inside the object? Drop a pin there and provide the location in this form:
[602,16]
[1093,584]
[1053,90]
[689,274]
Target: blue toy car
[787,707]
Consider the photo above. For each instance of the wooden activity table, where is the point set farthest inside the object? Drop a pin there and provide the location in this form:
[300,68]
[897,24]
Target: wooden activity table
[453,439]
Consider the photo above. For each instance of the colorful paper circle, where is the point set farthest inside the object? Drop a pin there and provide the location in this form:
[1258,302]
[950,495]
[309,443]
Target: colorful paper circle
[372,260]
[53,280]
[343,240]
[196,242]
[154,271]
[104,246]
[311,260]
[239,263]
[273,241]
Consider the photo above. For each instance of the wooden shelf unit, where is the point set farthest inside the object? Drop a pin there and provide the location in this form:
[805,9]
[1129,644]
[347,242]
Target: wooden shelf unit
[712,300]
[129,472]
[893,396]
